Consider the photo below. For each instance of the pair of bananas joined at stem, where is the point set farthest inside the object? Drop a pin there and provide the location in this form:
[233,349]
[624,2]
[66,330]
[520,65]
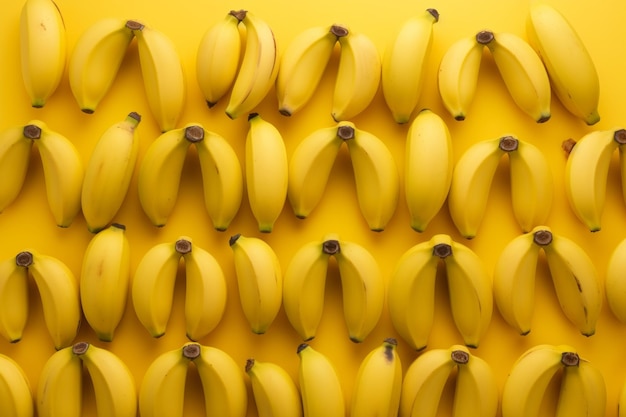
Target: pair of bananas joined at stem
[15,389]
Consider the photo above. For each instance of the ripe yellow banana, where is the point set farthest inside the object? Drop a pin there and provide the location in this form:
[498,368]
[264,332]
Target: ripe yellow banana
[96,59]
[405,63]
[428,164]
[259,279]
[614,282]
[217,58]
[522,71]
[60,387]
[163,75]
[43,49]
[571,70]
[259,66]
[458,76]
[320,387]
[476,389]
[109,171]
[15,151]
[378,382]
[105,279]
[266,171]
[586,173]
[582,392]
[303,64]
[358,76]
[275,393]
[15,393]
[14,300]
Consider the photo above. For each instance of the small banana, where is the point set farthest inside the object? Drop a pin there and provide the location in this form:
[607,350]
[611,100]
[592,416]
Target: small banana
[163,74]
[586,173]
[105,279]
[15,392]
[458,75]
[259,279]
[259,67]
[96,60]
[15,151]
[582,392]
[378,383]
[573,273]
[361,280]
[303,64]
[275,393]
[217,58]
[476,389]
[358,76]
[14,300]
[109,172]
[320,386]
[428,168]
[614,282]
[522,71]
[266,171]
[152,288]
[43,49]
[60,387]
[405,62]
[571,70]
[411,291]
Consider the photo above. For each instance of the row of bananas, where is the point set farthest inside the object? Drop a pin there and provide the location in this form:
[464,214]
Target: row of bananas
[557,60]
[381,387]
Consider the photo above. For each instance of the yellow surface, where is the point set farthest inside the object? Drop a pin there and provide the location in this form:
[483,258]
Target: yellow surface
[28,222]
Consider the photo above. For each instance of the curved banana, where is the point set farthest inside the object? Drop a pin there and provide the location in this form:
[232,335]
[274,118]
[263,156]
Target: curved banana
[113,383]
[109,171]
[458,76]
[217,58]
[15,393]
[573,75]
[259,279]
[163,75]
[582,391]
[267,169]
[320,387]
[614,282]
[43,49]
[476,389]
[14,300]
[259,66]
[62,168]
[275,393]
[586,173]
[105,279]
[378,382]
[522,71]
[404,64]
[96,60]
[15,151]
[302,66]
[358,76]
[58,290]
[428,165]
[60,387]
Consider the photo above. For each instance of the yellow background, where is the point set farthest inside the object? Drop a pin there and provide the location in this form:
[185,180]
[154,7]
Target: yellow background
[29,224]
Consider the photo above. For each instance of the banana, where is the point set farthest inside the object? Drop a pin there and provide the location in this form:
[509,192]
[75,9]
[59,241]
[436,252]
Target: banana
[15,392]
[428,168]
[614,282]
[113,383]
[586,173]
[105,279]
[60,387]
[405,63]
[96,60]
[412,285]
[15,151]
[62,168]
[476,389]
[303,64]
[267,169]
[14,300]
[582,391]
[573,75]
[320,387]
[378,382]
[43,49]
[217,58]
[361,280]
[259,279]
[162,72]
[109,171]
[358,76]
[458,76]
[522,71]
[259,67]
[275,393]
[152,288]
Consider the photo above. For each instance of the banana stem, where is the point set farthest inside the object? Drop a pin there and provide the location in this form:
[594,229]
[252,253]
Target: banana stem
[80,348]
[542,237]
[32,132]
[570,359]
[183,246]
[194,133]
[460,357]
[442,250]
[331,247]
[191,351]
[24,259]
